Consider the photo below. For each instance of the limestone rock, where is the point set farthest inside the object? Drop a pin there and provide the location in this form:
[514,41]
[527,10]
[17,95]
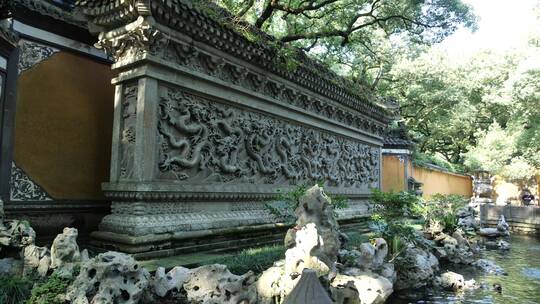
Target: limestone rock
[503,226]
[454,281]
[388,271]
[313,243]
[36,260]
[489,267]
[503,245]
[489,232]
[457,249]
[314,207]
[17,234]
[467,219]
[304,254]
[215,284]
[110,277]
[345,294]
[316,236]
[163,282]
[65,252]
[416,268]
[367,257]
[433,228]
[381,251]
[270,285]
[370,287]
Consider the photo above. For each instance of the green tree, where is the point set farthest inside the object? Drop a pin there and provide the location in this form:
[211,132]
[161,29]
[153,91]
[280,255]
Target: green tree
[512,149]
[445,103]
[357,38]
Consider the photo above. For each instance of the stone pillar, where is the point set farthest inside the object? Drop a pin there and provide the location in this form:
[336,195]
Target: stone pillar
[208,125]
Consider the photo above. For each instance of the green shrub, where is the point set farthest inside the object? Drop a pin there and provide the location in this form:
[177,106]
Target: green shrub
[355,239]
[443,209]
[50,291]
[425,160]
[255,259]
[14,289]
[390,218]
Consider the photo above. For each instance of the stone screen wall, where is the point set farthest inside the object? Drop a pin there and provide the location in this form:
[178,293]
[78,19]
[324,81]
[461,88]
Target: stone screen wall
[208,126]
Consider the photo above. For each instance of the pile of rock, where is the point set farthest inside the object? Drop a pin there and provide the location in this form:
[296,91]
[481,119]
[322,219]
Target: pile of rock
[454,249]
[501,230]
[492,236]
[20,256]
[315,243]
[415,268]
[315,247]
[114,277]
[468,219]
[18,252]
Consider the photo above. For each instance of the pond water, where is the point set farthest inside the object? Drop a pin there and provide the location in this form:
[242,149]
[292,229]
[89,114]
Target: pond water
[520,286]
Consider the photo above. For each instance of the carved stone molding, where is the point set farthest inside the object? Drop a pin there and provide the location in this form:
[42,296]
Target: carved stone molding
[32,53]
[157,218]
[143,42]
[23,188]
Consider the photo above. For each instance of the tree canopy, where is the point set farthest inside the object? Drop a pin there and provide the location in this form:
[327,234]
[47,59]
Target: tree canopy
[354,37]
[482,113]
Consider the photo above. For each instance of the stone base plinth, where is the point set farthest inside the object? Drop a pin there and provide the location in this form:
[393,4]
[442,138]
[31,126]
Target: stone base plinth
[157,227]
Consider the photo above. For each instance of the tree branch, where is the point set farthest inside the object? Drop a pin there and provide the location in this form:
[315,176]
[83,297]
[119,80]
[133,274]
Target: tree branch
[267,13]
[246,8]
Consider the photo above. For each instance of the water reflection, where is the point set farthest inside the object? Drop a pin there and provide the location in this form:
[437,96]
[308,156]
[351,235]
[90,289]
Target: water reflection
[521,286]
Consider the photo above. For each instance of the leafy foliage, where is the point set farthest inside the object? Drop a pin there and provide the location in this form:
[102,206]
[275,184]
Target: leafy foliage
[390,218]
[255,259]
[443,209]
[355,239]
[481,112]
[14,289]
[425,160]
[50,291]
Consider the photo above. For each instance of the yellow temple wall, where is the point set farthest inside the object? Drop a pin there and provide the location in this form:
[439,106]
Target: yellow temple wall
[63,124]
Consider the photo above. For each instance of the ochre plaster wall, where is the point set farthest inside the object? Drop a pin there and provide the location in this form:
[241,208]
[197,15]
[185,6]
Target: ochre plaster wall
[63,125]
[393,179]
[442,182]
[393,174]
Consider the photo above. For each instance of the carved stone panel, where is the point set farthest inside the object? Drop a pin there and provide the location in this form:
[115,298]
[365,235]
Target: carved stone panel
[127,141]
[202,141]
[23,188]
[32,53]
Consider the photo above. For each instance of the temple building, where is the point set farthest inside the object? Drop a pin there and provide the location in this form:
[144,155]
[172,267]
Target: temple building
[155,129]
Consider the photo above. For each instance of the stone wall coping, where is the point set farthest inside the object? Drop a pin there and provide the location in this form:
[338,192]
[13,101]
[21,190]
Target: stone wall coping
[110,16]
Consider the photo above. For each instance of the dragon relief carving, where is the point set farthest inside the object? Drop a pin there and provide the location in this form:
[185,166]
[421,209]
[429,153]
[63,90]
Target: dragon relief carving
[205,141]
